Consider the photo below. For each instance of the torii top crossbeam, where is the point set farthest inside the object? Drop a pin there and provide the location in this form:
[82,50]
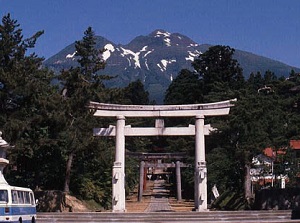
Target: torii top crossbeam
[155,156]
[188,110]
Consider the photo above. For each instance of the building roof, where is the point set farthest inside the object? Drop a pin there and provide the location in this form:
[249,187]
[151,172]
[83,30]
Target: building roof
[295,144]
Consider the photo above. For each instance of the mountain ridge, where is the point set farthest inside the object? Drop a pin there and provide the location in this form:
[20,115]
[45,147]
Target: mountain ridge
[156,59]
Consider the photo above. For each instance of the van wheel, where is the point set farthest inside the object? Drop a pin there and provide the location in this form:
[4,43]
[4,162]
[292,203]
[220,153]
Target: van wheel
[33,220]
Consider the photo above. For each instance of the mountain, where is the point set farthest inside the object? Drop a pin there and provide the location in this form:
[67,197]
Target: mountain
[156,59]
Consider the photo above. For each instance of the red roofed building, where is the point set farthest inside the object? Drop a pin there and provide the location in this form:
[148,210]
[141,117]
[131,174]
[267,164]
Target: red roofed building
[295,144]
[262,173]
[269,152]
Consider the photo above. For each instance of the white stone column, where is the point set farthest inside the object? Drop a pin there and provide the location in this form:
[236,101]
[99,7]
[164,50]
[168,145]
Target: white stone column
[178,181]
[200,166]
[141,185]
[118,181]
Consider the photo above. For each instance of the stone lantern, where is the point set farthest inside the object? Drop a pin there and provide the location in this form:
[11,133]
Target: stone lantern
[3,161]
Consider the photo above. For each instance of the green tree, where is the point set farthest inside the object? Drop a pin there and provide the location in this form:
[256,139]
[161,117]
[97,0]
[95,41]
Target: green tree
[51,127]
[136,93]
[26,111]
[221,74]
[186,88]
[90,58]
[261,118]
[266,114]
[255,81]
[15,66]
[81,85]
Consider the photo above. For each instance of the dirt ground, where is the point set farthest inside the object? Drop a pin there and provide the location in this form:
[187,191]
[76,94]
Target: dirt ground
[132,205]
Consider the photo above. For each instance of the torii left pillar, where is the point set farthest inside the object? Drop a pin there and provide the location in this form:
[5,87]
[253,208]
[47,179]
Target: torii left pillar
[200,166]
[118,180]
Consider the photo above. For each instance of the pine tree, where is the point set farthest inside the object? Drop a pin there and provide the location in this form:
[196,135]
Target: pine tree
[26,96]
[186,88]
[90,58]
[81,85]
[136,94]
[221,74]
[15,66]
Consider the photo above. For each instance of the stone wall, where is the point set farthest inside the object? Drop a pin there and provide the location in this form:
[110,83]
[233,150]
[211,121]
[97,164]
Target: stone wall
[57,201]
[277,199]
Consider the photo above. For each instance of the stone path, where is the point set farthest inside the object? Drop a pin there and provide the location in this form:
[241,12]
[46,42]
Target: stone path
[159,200]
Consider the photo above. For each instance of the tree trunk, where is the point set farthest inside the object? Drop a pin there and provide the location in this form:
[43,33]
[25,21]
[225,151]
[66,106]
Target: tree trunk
[68,172]
[247,184]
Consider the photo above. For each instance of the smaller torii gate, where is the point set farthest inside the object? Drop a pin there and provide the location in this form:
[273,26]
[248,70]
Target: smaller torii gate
[145,162]
[199,130]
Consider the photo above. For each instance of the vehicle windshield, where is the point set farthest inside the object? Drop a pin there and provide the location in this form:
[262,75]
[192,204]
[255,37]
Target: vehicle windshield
[3,196]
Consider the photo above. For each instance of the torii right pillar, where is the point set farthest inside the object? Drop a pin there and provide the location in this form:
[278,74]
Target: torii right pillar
[200,166]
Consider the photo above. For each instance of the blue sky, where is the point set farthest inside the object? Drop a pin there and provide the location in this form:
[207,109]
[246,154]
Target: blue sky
[269,28]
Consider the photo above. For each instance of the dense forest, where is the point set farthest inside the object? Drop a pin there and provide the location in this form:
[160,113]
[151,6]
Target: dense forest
[46,119]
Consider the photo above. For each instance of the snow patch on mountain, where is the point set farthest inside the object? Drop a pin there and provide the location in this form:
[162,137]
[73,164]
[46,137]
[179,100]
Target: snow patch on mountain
[192,55]
[129,63]
[109,48]
[144,48]
[146,64]
[167,41]
[132,55]
[148,53]
[58,62]
[71,56]
[166,36]
[135,56]
[164,63]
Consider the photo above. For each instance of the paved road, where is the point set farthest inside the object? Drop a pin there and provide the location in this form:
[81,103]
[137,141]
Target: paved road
[159,200]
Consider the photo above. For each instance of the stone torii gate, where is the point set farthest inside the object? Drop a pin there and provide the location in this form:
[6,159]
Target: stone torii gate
[120,112]
[146,161]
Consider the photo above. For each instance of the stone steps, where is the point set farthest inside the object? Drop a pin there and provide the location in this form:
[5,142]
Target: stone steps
[208,217]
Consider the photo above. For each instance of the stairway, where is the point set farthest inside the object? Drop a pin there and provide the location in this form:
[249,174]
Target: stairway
[168,217]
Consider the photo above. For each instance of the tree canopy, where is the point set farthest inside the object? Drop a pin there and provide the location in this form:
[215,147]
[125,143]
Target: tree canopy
[220,73]
[263,116]
[50,125]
